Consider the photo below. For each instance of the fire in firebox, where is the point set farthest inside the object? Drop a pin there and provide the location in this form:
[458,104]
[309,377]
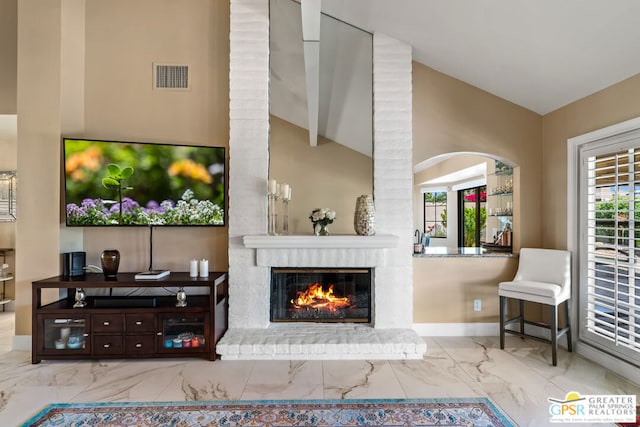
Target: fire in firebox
[321,295]
[317,298]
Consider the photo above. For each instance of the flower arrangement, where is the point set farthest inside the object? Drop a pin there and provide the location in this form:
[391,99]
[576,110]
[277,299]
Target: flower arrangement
[320,218]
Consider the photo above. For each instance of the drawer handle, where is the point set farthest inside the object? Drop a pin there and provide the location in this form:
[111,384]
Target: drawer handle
[107,323]
[85,335]
[158,333]
[139,322]
[106,345]
[138,345]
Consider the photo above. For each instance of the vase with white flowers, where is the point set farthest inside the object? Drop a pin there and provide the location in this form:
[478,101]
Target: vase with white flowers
[320,219]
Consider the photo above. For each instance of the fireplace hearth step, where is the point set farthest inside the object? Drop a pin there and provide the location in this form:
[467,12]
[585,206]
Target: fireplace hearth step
[321,342]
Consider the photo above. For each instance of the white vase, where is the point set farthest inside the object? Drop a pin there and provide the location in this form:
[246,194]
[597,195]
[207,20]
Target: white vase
[364,220]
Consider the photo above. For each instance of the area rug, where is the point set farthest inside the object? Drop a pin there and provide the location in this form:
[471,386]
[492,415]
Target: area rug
[281,413]
[636,424]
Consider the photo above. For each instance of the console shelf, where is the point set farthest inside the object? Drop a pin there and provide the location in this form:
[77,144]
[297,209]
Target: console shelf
[5,277]
[129,327]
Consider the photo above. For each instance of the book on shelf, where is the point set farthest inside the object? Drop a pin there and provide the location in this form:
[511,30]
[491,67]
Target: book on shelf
[152,274]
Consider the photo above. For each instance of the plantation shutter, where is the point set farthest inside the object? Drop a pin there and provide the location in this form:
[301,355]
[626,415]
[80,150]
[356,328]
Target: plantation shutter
[610,244]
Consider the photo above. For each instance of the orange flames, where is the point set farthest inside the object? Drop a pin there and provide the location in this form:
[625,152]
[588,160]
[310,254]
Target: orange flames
[316,297]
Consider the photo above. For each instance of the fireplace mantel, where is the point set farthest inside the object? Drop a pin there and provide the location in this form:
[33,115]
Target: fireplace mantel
[321,251]
[264,241]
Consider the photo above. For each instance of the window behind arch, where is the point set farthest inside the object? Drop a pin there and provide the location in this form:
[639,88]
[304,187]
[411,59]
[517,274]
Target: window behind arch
[435,214]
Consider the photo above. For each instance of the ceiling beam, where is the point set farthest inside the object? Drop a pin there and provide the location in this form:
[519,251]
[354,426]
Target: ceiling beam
[311,41]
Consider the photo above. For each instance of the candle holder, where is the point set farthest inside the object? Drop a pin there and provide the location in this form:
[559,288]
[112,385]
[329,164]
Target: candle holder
[273,214]
[285,217]
[81,296]
[181,298]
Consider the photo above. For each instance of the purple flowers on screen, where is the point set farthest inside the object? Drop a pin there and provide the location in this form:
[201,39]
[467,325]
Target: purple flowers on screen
[186,211]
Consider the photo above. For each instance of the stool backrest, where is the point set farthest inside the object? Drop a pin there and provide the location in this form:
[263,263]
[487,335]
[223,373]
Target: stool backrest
[545,265]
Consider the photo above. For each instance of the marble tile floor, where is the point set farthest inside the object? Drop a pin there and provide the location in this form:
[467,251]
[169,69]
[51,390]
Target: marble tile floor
[7,328]
[518,380]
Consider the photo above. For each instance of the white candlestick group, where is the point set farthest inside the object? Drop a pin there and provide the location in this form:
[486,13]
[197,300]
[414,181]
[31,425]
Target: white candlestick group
[201,266]
[204,268]
[279,191]
[278,223]
[193,268]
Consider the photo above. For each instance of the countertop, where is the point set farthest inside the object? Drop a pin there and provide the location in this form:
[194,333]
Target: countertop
[444,252]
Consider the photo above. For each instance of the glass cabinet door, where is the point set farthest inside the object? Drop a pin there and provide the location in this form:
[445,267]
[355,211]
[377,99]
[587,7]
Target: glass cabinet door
[184,334]
[65,334]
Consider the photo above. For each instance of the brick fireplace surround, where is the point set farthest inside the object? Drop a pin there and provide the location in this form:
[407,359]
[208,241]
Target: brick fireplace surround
[252,253]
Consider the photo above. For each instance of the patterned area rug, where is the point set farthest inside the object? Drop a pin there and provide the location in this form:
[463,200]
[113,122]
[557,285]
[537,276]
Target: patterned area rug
[636,424]
[281,413]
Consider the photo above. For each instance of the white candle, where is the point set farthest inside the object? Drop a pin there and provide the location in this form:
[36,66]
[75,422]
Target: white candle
[273,186]
[193,268]
[204,267]
[289,194]
[285,191]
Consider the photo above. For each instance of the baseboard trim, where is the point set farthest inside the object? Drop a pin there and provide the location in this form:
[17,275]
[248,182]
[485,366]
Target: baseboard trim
[457,329]
[620,367]
[22,343]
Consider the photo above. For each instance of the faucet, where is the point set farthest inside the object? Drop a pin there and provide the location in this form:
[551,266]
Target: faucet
[417,243]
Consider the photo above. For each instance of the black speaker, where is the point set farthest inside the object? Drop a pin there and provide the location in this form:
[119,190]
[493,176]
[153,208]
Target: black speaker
[73,263]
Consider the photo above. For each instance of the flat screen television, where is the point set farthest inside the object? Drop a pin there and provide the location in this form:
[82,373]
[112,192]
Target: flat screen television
[117,183]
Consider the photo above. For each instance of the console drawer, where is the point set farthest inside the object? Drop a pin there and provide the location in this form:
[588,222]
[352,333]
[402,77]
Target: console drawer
[102,323]
[140,343]
[107,344]
[140,322]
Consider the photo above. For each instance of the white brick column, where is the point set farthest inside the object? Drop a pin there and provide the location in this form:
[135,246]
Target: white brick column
[393,179]
[250,335]
[249,162]
[248,159]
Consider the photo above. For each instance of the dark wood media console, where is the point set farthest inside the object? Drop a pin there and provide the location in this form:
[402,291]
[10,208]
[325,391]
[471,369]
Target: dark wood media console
[128,327]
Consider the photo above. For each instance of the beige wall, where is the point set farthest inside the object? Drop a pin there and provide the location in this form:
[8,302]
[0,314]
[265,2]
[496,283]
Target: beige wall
[8,161]
[8,142]
[444,288]
[612,105]
[37,230]
[326,176]
[449,165]
[123,39]
[452,116]
[8,55]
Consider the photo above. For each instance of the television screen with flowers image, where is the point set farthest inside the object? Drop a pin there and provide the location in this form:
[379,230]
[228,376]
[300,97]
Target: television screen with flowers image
[113,183]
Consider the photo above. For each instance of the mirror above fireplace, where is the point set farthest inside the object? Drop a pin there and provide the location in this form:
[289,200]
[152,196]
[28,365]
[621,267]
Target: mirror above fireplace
[339,168]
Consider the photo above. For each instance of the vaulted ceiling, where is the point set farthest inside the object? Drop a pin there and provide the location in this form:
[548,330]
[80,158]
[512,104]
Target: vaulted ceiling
[540,54]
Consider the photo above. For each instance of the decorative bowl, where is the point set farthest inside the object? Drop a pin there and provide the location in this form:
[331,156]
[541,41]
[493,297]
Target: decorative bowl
[75,342]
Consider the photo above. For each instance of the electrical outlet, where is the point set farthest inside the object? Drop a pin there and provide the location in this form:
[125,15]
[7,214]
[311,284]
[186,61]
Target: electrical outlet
[477,305]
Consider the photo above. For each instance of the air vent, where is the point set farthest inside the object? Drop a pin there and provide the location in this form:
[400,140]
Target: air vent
[174,77]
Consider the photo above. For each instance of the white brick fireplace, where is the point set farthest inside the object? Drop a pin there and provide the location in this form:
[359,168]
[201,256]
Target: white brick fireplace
[252,253]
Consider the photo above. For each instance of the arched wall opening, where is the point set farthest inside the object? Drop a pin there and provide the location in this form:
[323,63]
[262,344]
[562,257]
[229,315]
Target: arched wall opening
[498,179]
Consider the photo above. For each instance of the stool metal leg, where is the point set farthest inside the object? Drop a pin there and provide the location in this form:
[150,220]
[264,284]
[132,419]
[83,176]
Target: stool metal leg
[554,334]
[566,313]
[522,319]
[503,319]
